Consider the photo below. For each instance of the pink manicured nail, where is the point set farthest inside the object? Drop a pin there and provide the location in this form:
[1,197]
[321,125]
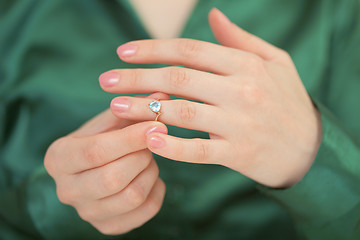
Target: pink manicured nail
[156,142]
[126,50]
[121,104]
[109,79]
[159,129]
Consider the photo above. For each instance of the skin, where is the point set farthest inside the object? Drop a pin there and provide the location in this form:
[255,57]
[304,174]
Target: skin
[115,189]
[163,18]
[260,119]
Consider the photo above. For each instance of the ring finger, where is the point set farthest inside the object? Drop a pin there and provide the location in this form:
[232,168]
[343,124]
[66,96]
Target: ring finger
[181,113]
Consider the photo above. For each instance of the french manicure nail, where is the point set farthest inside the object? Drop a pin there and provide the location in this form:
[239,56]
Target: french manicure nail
[121,104]
[126,50]
[156,142]
[159,129]
[109,79]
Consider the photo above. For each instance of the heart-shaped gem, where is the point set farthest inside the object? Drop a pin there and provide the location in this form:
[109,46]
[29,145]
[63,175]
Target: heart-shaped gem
[155,106]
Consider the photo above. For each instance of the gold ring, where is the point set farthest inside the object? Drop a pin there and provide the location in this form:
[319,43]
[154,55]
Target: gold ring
[155,107]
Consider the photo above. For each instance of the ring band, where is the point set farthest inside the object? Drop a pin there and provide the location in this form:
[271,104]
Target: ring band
[155,107]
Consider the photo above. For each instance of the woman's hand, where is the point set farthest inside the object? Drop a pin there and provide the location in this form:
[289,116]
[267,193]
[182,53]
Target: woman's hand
[105,171]
[260,118]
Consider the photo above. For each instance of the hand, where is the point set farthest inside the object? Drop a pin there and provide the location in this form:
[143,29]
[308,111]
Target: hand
[261,121]
[105,171]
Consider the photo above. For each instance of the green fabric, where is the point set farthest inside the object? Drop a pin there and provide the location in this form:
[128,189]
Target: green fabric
[51,54]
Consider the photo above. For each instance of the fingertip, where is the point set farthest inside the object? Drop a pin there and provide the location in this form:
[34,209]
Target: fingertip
[156,140]
[157,127]
[211,14]
[212,10]
[219,15]
[126,50]
[108,79]
[120,105]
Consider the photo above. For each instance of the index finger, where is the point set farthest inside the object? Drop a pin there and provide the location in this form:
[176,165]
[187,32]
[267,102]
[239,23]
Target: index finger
[89,152]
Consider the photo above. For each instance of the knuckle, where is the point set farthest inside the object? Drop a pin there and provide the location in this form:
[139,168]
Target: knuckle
[109,181]
[188,48]
[110,228]
[64,195]
[134,77]
[49,163]
[162,187]
[155,167]
[255,65]
[284,53]
[285,56]
[178,150]
[51,155]
[106,230]
[146,156]
[87,214]
[186,111]
[94,152]
[202,151]
[251,94]
[151,47]
[178,77]
[153,206]
[144,153]
[135,195]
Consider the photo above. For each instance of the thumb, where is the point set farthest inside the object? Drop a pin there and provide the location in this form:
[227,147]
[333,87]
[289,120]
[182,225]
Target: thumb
[106,121]
[230,35]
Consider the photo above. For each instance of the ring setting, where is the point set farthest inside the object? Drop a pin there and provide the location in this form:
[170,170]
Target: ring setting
[155,107]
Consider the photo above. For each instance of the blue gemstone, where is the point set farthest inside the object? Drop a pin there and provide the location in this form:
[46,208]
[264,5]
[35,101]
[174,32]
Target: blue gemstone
[155,106]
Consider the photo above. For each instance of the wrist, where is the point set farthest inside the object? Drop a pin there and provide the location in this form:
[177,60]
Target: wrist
[312,139]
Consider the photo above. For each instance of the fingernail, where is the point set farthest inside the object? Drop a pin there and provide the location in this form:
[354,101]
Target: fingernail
[159,129]
[126,50]
[121,104]
[156,142]
[109,79]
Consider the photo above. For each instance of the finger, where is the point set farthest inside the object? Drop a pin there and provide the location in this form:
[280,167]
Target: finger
[136,218]
[182,82]
[159,95]
[111,178]
[201,55]
[195,150]
[181,113]
[230,35]
[103,122]
[156,95]
[124,201]
[94,151]
[106,121]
